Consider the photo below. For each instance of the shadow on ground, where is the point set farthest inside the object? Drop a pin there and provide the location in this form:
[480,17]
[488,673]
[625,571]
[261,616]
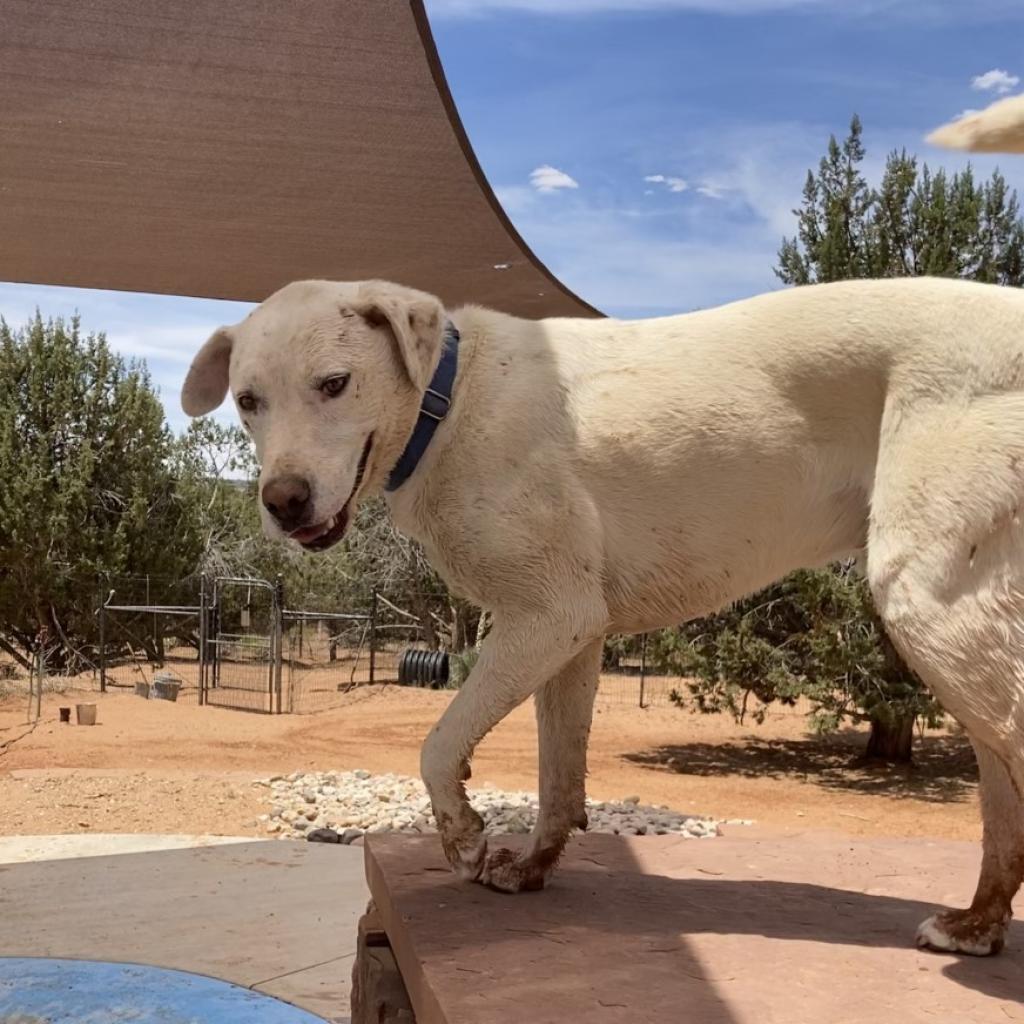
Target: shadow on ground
[944,767]
[810,928]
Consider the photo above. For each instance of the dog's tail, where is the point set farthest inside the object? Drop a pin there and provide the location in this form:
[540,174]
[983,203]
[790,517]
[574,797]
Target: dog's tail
[996,129]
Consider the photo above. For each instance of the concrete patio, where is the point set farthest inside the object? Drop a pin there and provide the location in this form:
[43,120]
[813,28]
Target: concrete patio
[751,928]
[278,918]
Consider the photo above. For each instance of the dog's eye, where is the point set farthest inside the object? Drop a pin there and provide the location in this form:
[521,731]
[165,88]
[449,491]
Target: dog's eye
[333,386]
[247,402]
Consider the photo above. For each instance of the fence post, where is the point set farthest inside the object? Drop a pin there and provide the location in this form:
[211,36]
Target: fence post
[103,639]
[149,604]
[31,691]
[373,637]
[278,644]
[202,638]
[643,665]
[42,676]
[213,614]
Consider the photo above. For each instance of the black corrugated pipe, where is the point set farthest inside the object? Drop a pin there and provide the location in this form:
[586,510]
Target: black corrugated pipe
[423,668]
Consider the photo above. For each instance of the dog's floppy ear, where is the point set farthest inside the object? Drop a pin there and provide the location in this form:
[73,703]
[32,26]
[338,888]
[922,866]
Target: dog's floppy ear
[207,381]
[416,319]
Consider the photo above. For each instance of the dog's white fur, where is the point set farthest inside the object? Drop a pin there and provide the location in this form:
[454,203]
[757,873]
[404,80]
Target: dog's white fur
[599,476]
[998,128]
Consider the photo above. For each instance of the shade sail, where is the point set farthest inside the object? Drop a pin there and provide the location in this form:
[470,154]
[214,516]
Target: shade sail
[223,148]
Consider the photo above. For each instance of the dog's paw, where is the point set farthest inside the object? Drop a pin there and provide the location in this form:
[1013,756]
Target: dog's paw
[467,855]
[470,862]
[508,871]
[961,931]
[462,839]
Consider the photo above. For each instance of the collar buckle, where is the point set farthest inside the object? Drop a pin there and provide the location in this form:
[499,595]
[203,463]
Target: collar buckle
[435,406]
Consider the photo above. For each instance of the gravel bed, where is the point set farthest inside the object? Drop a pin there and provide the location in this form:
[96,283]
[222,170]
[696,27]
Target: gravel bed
[343,806]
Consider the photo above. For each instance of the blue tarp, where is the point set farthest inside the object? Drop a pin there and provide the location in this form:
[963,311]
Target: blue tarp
[44,991]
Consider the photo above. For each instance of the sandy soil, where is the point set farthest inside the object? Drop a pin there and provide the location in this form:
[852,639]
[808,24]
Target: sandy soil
[155,766]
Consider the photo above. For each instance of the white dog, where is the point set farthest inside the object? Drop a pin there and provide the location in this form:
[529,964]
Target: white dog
[596,476]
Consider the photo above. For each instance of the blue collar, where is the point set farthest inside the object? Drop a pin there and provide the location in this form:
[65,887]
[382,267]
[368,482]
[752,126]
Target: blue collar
[437,400]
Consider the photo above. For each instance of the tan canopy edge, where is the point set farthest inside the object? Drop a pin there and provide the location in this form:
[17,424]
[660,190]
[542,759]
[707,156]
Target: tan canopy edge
[222,148]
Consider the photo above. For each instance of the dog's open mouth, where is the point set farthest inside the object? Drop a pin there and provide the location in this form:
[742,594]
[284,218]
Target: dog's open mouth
[322,536]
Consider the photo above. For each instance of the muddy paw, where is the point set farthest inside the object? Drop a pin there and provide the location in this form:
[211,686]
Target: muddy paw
[961,931]
[470,862]
[465,847]
[507,871]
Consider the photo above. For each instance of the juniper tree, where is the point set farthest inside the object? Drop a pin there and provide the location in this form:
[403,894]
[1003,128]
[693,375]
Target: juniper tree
[87,484]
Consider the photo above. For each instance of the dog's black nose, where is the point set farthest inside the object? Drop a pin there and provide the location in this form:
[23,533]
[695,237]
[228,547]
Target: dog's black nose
[286,498]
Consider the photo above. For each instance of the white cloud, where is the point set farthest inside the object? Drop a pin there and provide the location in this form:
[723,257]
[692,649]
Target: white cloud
[921,12]
[615,261]
[700,254]
[648,257]
[672,184]
[997,80]
[550,179]
[942,10]
[514,198]
[464,8]
[757,171]
[161,344]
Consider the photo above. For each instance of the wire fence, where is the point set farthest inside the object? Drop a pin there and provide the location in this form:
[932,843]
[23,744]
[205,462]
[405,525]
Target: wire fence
[236,643]
[326,654]
[243,643]
[629,678]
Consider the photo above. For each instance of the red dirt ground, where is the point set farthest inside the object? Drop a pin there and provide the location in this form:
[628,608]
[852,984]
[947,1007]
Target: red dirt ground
[156,766]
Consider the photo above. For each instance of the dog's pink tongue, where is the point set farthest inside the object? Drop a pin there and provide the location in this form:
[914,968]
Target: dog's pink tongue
[308,533]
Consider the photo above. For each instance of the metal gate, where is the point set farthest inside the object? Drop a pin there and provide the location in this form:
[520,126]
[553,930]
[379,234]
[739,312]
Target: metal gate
[242,659]
[326,655]
[240,647]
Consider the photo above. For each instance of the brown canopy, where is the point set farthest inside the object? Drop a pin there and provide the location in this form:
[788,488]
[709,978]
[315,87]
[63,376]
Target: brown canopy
[222,148]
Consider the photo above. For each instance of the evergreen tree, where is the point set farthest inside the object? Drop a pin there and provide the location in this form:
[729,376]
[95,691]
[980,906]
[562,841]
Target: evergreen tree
[915,223]
[88,485]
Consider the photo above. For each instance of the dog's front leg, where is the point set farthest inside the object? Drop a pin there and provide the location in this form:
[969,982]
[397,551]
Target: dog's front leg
[565,707]
[519,654]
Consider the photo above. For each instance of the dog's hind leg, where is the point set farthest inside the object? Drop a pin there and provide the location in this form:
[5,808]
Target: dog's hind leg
[520,654]
[565,707]
[946,567]
[981,928]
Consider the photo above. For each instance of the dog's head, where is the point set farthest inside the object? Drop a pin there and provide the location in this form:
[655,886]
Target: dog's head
[327,378]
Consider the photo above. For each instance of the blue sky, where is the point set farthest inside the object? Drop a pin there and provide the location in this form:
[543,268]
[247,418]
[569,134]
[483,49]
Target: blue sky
[650,151]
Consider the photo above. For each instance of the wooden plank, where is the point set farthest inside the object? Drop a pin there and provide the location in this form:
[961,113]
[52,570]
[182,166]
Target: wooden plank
[371,929]
[378,993]
[745,929]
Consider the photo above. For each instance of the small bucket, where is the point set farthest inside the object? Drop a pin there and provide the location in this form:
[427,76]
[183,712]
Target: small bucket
[166,687]
[86,714]
[65,714]
[142,690]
